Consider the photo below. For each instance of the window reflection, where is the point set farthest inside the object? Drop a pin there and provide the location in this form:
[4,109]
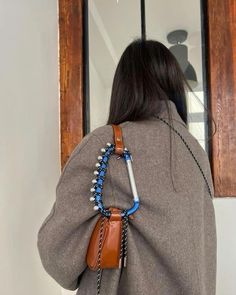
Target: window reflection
[177,24]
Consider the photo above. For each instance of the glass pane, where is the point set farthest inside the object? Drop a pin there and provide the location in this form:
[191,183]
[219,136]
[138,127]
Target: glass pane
[112,26]
[177,24]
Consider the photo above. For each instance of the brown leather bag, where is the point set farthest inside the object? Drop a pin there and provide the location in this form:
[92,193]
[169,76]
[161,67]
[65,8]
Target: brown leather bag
[110,242]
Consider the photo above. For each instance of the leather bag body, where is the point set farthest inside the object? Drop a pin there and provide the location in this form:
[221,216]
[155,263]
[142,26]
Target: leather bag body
[111,242]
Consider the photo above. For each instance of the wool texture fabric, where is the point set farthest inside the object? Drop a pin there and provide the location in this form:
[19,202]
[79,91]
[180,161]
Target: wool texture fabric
[171,240]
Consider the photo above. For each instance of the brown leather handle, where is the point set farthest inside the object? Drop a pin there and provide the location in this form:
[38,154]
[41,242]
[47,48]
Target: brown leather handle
[118,139]
[115,214]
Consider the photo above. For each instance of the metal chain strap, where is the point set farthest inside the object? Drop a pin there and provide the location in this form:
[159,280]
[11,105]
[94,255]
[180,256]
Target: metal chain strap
[124,242]
[123,248]
[125,238]
[99,270]
[177,132]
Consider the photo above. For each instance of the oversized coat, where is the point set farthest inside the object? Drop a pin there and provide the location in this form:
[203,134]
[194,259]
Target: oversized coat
[172,238]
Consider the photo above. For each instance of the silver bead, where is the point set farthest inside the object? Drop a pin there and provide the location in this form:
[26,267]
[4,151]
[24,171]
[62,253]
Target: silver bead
[95,208]
[108,144]
[99,157]
[125,258]
[92,189]
[96,172]
[103,150]
[97,164]
[91,199]
[94,181]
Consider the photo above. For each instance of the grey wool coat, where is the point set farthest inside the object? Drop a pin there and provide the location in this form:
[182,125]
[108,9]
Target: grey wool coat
[172,238]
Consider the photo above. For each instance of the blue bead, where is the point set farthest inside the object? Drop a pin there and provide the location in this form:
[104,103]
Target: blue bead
[98,198]
[99,181]
[105,159]
[103,166]
[98,190]
[102,173]
[100,205]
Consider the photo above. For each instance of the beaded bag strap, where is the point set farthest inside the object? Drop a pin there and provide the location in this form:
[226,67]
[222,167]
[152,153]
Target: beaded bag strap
[97,190]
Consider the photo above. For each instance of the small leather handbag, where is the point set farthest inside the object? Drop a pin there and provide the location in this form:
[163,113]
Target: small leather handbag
[108,243]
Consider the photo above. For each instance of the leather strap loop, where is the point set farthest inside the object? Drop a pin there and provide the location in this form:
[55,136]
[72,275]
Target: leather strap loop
[115,214]
[118,139]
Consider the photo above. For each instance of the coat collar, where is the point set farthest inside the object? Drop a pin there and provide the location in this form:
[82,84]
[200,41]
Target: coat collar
[164,114]
[175,115]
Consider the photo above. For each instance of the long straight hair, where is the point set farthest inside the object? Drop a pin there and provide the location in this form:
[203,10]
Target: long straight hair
[146,74]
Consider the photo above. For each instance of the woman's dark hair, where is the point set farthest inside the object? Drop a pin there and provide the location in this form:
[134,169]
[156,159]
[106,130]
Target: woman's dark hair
[147,73]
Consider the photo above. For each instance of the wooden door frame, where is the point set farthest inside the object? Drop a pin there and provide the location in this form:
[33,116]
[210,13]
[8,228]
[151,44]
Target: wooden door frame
[73,47]
[220,76]
[222,93]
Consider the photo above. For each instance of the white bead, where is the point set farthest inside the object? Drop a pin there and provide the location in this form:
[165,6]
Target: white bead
[95,207]
[108,144]
[94,181]
[97,165]
[125,149]
[92,189]
[99,157]
[103,150]
[96,172]
[91,199]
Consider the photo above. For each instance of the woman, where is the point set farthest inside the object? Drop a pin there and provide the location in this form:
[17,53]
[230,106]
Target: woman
[172,238]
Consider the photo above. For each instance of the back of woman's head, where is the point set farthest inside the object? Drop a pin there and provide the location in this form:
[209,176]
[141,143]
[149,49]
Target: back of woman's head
[147,73]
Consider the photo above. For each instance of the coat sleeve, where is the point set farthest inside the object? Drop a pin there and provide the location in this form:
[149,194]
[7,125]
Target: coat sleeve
[63,237]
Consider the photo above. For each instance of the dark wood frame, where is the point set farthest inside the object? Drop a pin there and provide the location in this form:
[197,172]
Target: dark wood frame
[71,75]
[220,74]
[222,77]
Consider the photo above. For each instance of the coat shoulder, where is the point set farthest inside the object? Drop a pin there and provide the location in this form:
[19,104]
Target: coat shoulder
[91,141]
[102,131]
[91,138]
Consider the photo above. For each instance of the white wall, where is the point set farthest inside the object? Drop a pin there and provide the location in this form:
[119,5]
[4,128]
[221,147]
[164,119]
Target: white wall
[226,243]
[29,141]
[99,100]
